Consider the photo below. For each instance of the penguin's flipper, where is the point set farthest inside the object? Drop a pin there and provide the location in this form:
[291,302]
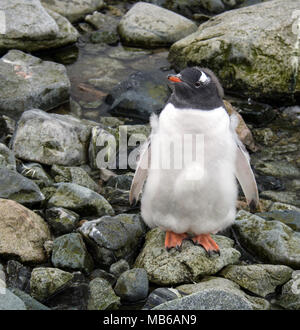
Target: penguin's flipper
[141,172]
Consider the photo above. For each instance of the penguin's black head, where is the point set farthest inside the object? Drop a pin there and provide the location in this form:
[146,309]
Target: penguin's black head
[196,88]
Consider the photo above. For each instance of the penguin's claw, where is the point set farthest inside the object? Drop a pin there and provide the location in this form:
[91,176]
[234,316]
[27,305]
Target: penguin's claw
[174,240]
[209,245]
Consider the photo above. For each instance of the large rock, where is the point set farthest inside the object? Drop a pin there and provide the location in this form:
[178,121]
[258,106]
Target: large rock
[9,301]
[31,83]
[73,10]
[114,238]
[22,233]
[290,294]
[30,303]
[148,25]
[192,263]
[51,138]
[81,200]
[271,241]
[244,48]
[259,279]
[29,26]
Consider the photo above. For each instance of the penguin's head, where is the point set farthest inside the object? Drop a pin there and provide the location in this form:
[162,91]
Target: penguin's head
[198,88]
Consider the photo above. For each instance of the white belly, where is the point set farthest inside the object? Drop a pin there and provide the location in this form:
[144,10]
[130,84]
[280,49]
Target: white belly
[200,196]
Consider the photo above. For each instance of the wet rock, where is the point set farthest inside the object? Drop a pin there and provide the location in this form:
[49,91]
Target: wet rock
[18,276]
[288,217]
[74,175]
[22,233]
[41,84]
[290,295]
[243,47]
[119,267]
[30,303]
[132,285]
[146,25]
[7,158]
[160,296]
[51,139]
[259,279]
[80,199]
[45,282]
[104,275]
[106,37]
[102,296]
[35,172]
[30,27]
[70,253]
[271,241]
[100,21]
[118,198]
[114,238]
[139,96]
[18,188]
[9,301]
[73,10]
[192,263]
[62,221]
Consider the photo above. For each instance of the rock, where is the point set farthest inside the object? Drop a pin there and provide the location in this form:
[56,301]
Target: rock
[30,303]
[287,197]
[61,220]
[243,47]
[45,282]
[70,253]
[160,296]
[259,279]
[73,10]
[30,27]
[102,296]
[120,181]
[18,276]
[271,241]
[80,199]
[22,233]
[7,158]
[104,275]
[51,139]
[22,190]
[277,206]
[119,267]
[268,182]
[106,37]
[74,175]
[277,168]
[146,25]
[35,172]
[192,263]
[101,21]
[118,198]
[41,84]
[289,217]
[9,301]
[132,285]
[139,96]
[114,238]
[290,295]
[7,128]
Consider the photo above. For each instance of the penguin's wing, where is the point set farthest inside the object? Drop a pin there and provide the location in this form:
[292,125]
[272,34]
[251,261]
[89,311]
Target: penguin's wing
[141,172]
[244,172]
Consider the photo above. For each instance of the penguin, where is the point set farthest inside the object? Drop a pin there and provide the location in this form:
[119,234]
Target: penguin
[197,197]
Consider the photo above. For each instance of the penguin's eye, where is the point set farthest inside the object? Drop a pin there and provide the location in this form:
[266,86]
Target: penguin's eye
[198,84]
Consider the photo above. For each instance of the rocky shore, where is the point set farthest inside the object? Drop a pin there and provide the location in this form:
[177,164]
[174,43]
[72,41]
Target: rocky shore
[75,74]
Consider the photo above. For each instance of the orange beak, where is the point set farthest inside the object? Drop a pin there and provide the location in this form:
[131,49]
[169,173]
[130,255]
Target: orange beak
[174,78]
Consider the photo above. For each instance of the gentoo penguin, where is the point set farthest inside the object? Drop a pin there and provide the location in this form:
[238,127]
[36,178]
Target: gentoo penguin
[198,197]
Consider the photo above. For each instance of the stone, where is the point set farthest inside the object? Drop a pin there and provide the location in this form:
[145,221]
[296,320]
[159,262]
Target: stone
[146,25]
[132,285]
[51,139]
[271,241]
[7,158]
[22,233]
[62,221]
[101,21]
[73,10]
[260,279]
[18,276]
[277,206]
[102,295]
[70,253]
[243,47]
[192,263]
[45,282]
[30,303]
[287,197]
[114,238]
[289,217]
[119,267]
[103,274]
[9,301]
[30,27]
[161,295]
[290,295]
[7,129]
[81,200]
[122,181]
[18,188]
[35,172]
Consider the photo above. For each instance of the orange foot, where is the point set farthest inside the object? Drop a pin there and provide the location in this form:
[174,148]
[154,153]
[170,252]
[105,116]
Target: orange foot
[174,240]
[207,243]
